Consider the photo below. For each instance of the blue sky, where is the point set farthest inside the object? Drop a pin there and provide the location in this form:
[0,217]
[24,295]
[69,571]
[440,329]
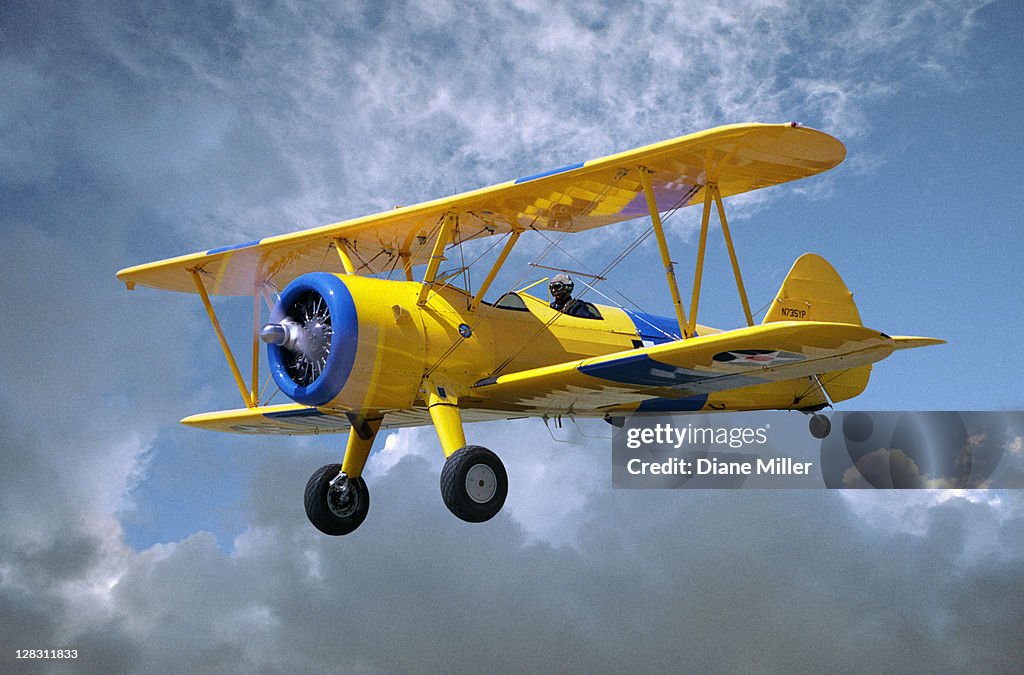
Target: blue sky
[141,131]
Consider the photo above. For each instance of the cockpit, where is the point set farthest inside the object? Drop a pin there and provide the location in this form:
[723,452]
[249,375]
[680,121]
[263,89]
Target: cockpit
[578,308]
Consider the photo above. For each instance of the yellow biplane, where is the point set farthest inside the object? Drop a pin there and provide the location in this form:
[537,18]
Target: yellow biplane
[358,352]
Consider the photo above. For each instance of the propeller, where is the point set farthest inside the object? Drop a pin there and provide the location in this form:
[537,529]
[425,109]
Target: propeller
[304,331]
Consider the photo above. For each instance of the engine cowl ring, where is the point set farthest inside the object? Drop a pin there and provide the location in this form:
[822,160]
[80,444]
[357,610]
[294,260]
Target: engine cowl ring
[312,338]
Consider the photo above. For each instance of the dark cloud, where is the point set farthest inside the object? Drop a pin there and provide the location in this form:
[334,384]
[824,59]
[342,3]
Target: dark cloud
[715,580]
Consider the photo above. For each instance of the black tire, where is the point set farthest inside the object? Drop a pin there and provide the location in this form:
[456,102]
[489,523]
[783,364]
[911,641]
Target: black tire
[483,499]
[325,506]
[820,426]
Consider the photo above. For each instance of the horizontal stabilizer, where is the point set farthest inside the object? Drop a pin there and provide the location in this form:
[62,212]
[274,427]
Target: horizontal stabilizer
[909,342]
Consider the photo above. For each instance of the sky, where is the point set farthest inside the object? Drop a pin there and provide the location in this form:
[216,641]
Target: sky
[136,131]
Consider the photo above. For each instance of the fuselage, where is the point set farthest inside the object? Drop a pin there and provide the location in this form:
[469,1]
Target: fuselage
[387,349]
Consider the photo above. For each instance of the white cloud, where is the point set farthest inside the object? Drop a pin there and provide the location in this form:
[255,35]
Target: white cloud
[418,442]
[552,474]
[355,112]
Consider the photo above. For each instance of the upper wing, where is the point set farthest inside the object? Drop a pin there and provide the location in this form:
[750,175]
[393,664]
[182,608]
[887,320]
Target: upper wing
[701,365]
[739,158]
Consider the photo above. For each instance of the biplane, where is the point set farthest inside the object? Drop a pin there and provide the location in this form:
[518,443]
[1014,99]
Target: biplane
[357,350]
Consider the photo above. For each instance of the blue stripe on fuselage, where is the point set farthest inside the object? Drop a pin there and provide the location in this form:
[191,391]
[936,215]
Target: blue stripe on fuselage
[642,370]
[653,328]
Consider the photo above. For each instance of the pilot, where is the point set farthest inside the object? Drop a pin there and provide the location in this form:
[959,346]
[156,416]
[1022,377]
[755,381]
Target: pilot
[561,286]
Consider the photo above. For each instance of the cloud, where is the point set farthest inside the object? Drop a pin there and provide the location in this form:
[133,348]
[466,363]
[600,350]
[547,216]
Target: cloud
[651,572]
[287,116]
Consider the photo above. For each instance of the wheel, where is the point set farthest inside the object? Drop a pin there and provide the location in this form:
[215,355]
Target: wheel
[337,509]
[474,484]
[820,425]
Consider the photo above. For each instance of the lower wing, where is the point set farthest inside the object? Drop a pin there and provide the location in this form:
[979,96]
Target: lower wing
[695,367]
[620,382]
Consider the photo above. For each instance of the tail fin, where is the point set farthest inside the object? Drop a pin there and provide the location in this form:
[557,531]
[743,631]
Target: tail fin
[814,291]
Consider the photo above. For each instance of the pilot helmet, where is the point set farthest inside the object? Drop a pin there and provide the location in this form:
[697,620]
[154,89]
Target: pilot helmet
[561,285]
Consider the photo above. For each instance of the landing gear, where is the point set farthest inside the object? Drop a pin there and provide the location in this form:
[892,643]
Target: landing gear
[474,484]
[337,500]
[819,425]
[335,503]
[473,481]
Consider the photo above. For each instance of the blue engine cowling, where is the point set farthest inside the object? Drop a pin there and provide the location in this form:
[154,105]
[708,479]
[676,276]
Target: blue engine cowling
[317,334]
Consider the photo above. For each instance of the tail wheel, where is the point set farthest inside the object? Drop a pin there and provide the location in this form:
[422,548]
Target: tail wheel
[819,425]
[336,504]
[474,484]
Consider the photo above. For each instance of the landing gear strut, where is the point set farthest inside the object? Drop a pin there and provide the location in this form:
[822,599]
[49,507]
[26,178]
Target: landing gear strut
[473,481]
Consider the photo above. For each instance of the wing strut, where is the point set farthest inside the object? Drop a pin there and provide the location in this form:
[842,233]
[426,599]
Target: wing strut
[254,397]
[406,264]
[201,289]
[340,245]
[513,238]
[698,268]
[670,274]
[732,255]
[437,255]
[711,193]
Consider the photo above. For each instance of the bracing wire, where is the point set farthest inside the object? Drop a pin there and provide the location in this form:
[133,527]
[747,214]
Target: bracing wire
[551,246]
[554,243]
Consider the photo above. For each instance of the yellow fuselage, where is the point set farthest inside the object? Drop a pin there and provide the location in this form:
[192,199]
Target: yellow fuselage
[401,343]
[403,348]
